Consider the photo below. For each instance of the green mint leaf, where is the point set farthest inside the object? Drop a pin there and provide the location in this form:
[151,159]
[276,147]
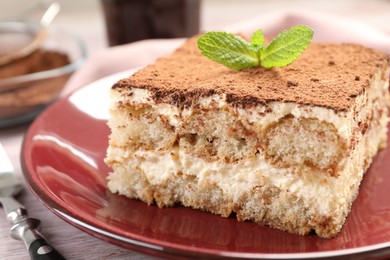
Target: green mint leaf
[228,49]
[236,53]
[257,38]
[286,47]
[257,42]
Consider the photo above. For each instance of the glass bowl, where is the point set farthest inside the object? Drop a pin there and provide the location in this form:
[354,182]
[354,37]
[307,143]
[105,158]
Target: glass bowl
[23,97]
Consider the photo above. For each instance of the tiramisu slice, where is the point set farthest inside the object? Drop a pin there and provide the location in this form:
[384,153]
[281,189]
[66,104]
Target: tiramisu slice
[285,147]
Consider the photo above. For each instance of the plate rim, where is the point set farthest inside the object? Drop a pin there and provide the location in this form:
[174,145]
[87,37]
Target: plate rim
[156,245]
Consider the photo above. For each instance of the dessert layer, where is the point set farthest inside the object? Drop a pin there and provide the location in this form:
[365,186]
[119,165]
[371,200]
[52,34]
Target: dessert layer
[225,159]
[252,188]
[325,75]
[289,135]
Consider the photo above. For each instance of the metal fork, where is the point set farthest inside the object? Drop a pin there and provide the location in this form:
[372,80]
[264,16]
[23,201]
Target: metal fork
[22,227]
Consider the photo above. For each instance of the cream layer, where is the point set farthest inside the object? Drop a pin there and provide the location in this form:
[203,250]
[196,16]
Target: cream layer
[262,116]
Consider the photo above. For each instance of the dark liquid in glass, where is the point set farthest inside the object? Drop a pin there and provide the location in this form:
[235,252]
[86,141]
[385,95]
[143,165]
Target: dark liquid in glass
[133,20]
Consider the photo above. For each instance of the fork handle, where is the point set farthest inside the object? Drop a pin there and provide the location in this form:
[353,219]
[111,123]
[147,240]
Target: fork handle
[41,250]
[26,229]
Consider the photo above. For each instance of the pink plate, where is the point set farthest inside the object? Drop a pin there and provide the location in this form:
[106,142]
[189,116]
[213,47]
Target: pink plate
[63,164]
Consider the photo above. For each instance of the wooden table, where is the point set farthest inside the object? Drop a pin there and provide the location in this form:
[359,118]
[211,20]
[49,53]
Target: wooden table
[70,241]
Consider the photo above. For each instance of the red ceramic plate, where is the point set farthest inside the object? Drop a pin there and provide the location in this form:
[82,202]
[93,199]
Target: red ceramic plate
[63,164]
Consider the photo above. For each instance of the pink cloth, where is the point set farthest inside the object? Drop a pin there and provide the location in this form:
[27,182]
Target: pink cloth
[327,28]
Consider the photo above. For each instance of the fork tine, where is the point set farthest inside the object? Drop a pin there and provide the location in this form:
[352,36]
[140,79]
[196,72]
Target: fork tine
[9,183]
[5,163]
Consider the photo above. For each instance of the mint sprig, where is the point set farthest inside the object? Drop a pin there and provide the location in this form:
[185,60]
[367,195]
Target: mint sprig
[228,49]
[236,53]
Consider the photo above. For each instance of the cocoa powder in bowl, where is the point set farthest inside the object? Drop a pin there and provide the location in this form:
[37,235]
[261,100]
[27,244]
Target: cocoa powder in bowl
[40,60]
[34,92]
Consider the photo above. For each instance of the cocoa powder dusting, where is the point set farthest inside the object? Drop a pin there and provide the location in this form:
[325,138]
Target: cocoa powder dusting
[326,75]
